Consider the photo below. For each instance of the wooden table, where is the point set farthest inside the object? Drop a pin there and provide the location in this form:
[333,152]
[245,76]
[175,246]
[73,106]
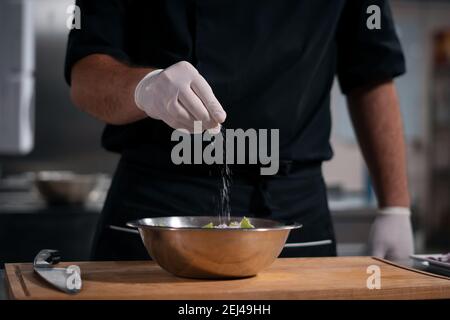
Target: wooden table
[295,278]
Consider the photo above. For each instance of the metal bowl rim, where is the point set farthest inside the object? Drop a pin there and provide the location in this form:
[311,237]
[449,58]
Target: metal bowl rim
[139,224]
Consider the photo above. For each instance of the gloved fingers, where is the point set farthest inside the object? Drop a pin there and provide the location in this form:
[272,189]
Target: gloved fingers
[175,115]
[176,124]
[378,251]
[391,237]
[395,255]
[215,130]
[401,250]
[180,72]
[376,244]
[202,89]
[192,103]
[177,111]
[179,95]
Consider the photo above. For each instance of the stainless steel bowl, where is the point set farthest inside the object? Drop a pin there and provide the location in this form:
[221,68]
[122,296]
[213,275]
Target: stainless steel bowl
[181,246]
[64,187]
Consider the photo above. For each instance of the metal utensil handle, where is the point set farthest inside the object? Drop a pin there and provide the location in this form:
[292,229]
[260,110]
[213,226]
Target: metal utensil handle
[308,244]
[47,258]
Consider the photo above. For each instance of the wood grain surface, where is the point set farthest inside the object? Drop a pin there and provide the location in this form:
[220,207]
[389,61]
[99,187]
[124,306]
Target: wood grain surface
[293,278]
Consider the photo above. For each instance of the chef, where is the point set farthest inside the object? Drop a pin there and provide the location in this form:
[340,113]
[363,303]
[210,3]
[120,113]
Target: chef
[146,68]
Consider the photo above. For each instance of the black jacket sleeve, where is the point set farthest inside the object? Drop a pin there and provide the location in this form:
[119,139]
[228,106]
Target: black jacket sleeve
[102,31]
[365,56]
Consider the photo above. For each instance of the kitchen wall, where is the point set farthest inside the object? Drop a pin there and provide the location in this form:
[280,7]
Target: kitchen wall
[66,139]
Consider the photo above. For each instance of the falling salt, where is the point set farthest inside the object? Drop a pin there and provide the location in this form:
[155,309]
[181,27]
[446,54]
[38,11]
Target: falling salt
[224,208]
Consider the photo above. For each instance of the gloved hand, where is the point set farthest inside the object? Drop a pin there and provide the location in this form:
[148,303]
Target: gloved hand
[179,95]
[391,234]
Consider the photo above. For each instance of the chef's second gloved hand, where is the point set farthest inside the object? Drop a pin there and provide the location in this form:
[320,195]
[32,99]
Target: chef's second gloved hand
[179,95]
[391,234]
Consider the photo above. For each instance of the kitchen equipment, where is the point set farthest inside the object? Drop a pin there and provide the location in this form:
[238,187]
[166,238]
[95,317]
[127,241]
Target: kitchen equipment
[65,187]
[432,263]
[181,246]
[286,278]
[66,279]
[17,79]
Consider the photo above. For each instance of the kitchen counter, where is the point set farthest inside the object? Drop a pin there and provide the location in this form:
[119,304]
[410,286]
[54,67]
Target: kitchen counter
[288,278]
[3,292]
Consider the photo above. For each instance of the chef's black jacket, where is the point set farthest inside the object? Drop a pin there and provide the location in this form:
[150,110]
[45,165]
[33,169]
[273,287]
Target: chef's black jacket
[271,64]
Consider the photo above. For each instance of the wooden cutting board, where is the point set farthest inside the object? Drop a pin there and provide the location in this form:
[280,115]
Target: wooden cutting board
[294,278]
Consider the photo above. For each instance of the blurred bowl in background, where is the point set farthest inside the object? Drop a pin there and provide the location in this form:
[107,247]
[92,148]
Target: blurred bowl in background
[65,187]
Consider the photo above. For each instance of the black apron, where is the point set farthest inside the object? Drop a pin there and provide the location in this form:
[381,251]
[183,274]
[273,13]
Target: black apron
[138,190]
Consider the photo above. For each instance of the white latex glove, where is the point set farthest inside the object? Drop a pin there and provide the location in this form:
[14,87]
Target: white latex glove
[391,234]
[179,95]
